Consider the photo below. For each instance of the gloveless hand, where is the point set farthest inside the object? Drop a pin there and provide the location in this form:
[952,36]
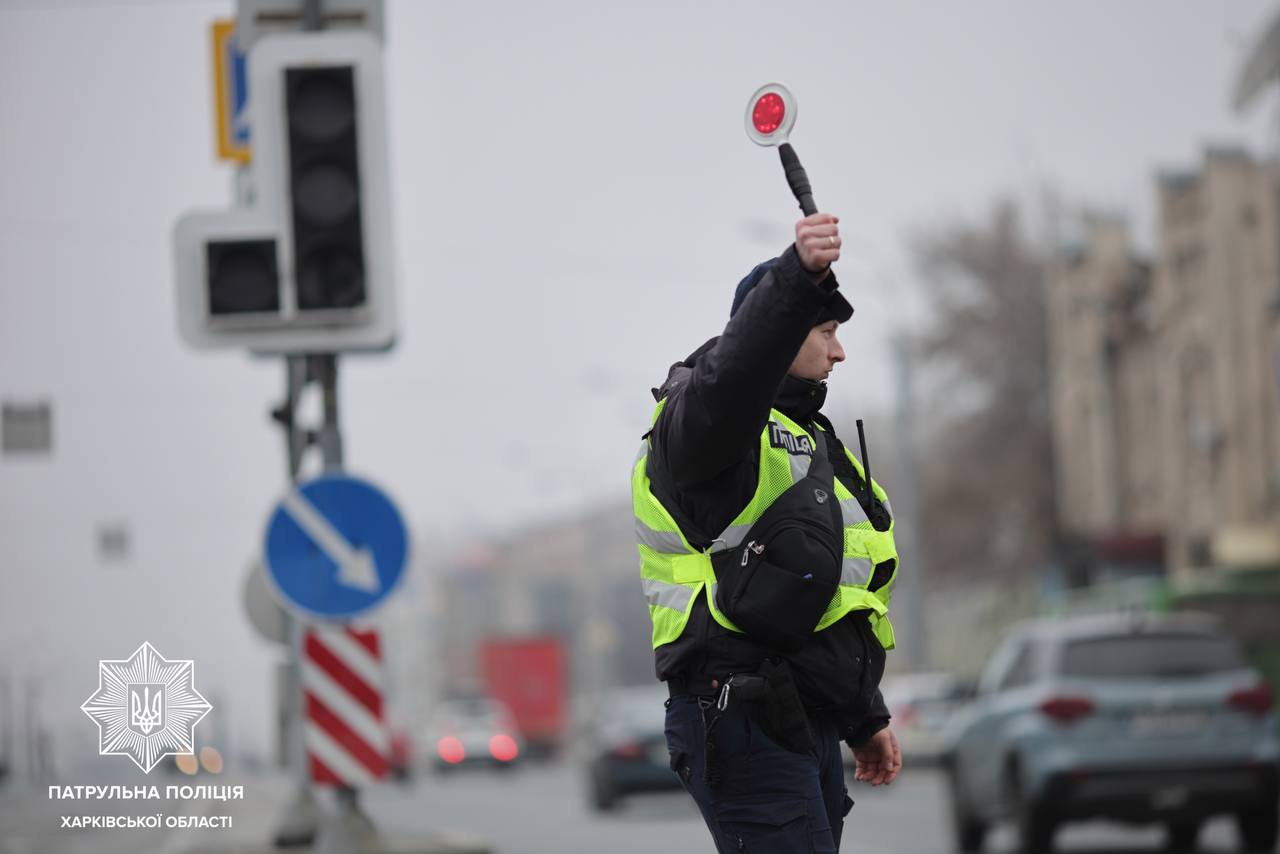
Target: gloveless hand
[818,243]
[879,760]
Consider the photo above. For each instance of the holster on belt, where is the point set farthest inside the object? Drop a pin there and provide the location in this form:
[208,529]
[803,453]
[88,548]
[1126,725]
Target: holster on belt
[780,713]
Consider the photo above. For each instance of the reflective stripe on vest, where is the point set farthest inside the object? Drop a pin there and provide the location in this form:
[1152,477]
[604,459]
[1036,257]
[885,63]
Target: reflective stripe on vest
[673,573]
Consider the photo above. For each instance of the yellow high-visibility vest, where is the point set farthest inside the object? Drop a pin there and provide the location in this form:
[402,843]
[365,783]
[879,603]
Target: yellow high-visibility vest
[672,572]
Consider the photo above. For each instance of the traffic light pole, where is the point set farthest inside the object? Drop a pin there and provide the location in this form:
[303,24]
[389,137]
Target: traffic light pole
[325,371]
[350,830]
[298,825]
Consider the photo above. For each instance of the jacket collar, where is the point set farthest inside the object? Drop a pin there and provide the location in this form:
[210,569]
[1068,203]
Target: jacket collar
[800,399]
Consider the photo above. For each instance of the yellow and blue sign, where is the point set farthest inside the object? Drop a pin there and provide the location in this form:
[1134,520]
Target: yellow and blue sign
[230,93]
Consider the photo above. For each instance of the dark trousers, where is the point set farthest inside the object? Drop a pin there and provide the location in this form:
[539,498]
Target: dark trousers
[767,799]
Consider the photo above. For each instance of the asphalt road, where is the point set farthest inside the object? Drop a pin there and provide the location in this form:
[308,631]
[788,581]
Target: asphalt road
[542,809]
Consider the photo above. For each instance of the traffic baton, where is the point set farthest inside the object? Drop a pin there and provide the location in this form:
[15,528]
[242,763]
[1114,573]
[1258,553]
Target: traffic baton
[771,113]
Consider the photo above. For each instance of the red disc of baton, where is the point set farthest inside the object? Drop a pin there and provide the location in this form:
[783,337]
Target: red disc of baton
[768,113]
[771,113]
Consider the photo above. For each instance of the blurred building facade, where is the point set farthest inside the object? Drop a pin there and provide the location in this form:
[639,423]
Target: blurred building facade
[574,578]
[1166,377]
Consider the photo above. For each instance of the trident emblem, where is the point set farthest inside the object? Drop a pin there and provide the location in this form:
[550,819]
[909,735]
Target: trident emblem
[146,712]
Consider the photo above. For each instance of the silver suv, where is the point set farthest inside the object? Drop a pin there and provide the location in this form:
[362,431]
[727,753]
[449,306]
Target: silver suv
[1130,717]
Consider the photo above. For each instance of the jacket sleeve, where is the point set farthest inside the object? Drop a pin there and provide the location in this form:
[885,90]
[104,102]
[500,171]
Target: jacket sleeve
[715,419]
[859,731]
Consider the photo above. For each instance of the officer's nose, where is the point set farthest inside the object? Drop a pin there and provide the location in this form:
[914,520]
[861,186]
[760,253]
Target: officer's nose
[836,353]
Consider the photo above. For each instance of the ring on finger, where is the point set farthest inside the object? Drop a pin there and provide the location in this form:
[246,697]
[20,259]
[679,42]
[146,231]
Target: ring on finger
[831,240]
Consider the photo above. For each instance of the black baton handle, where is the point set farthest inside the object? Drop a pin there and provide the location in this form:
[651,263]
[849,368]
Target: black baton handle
[797,178]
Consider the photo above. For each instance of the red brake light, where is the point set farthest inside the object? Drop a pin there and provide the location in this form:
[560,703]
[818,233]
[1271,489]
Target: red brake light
[1067,710]
[502,747]
[451,750]
[1254,701]
[768,113]
[905,715]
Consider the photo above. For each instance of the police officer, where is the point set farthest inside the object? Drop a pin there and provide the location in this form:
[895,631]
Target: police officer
[767,559]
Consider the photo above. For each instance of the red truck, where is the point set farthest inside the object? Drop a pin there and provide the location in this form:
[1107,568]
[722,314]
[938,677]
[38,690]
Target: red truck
[527,675]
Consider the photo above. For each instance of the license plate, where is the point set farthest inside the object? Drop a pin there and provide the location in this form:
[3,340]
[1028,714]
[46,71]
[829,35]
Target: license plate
[1174,722]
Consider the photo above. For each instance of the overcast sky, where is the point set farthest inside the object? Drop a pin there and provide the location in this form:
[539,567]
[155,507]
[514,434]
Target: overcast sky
[574,200]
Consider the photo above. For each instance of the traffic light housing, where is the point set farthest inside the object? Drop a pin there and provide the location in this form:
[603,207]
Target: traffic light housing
[308,267]
[324,187]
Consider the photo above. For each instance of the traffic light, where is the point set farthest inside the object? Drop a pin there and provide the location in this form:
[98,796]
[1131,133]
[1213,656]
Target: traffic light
[308,267]
[324,186]
[242,277]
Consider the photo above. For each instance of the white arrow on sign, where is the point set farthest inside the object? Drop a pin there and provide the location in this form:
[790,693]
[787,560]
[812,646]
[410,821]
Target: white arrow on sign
[355,566]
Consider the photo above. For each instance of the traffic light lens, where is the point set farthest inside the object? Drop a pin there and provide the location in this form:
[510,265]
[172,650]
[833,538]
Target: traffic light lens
[768,113]
[321,105]
[326,194]
[242,277]
[330,276]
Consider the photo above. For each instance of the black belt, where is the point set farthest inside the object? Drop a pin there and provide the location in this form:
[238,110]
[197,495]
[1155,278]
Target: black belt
[699,686]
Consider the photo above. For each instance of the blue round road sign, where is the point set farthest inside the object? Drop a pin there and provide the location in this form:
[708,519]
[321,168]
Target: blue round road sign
[335,547]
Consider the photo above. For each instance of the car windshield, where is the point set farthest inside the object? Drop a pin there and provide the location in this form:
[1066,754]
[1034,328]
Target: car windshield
[1167,655]
[920,688]
[474,710]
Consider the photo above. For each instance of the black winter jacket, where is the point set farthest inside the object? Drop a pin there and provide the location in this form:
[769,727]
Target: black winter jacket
[703,466]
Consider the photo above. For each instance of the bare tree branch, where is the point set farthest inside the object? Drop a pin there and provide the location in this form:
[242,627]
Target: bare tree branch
[987,491]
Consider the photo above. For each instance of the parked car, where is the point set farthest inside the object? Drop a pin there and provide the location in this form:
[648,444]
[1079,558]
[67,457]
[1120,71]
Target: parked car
[623,745]
[1130,717]
[921,704]
[472,731]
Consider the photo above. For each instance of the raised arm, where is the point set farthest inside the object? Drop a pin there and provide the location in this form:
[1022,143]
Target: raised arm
[717,408]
